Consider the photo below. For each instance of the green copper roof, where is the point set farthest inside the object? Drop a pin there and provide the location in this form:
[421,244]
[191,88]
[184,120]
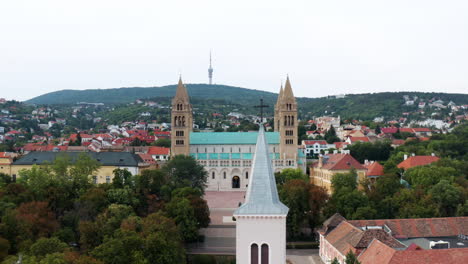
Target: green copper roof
[231,138]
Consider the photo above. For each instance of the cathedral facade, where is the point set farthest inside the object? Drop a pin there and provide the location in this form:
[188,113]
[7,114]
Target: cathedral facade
[227,156]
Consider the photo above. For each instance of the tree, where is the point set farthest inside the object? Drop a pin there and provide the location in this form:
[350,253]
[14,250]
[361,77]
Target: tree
[318,198]
[335,261]
[447,197]
[163,243]
[344,180]
[4,248]
[351,258]
[44,246]
[330,136]
[295,195]
[427,176]
[379,150]
[184,171]
[122,177]
[290,174]
[123,248]
[183,214]
[162,142]
[38,218]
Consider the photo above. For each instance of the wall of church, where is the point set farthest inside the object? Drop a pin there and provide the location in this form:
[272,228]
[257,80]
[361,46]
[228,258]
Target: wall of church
[270,230]
[230,171]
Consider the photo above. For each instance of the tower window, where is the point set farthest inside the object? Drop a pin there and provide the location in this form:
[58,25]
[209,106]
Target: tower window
[265,254]
[213,175]
[224,175]
[246,174]
[254,254]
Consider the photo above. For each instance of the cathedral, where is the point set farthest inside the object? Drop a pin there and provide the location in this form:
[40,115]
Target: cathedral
[227,156]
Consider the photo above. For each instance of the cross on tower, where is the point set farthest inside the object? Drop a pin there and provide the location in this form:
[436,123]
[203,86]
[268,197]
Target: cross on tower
[261,106]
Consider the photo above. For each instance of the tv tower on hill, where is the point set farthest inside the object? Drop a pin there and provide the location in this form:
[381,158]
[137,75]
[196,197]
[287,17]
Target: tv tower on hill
[210,72]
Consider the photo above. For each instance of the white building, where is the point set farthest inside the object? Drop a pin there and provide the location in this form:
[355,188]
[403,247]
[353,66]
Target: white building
[261,220]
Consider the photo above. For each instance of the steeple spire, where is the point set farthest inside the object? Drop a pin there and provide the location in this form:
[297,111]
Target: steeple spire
[262,195]
[181,92]
[280,94]
[288,93]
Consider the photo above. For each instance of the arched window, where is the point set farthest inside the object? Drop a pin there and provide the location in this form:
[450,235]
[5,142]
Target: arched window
[224,175]
[254,254]
[246,174]
[265,254]
[213,175]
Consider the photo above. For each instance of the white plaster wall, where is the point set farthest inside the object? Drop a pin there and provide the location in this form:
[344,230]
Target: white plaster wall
[260,231]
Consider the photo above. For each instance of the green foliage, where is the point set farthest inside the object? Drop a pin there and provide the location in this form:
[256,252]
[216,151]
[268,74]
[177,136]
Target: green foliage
[290,174]
[162,142]
[344,180]
[294,194]
[45,246]
[351,258]
[183,214]
[335,261]
[184,171]
[331,137]
[426,176]
[378,151]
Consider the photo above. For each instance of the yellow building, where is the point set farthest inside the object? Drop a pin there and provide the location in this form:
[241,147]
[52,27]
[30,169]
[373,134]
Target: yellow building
[109,162]
[321,172]
[5,163]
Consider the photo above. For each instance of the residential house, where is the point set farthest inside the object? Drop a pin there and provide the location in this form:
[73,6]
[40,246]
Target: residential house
[414,161]
[350,140]
[374,170]
[159,153]
[321,172]
[315,147]
[109,162]
[395,241]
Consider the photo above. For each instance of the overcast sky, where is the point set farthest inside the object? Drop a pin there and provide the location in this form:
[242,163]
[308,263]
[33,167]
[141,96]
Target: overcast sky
[326,46]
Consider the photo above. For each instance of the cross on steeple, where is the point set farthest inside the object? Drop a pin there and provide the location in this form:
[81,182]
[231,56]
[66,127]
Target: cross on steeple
[261,106]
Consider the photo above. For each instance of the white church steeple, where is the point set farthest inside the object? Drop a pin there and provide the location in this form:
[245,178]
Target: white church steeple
[261,220]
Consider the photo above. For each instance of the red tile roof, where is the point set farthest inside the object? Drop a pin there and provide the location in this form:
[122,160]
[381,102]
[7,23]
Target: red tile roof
[158,151]
[398,142]
[414,161]
[147,158]
[389,130]
[339,145]
[340,161]
[347,237]
[312,142]
[374,169]
[420,227]
[378,252]
[359,139]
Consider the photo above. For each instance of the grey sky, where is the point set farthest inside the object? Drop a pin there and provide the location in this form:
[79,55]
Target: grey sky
[327,47]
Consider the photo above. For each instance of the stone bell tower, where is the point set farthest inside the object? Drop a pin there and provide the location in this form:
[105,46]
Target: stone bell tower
[287,126]
[181,121]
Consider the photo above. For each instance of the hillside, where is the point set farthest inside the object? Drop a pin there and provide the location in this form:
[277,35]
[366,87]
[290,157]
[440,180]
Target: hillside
[127,95]
[223,98]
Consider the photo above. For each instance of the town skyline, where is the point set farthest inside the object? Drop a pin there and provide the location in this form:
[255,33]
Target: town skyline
[326,48]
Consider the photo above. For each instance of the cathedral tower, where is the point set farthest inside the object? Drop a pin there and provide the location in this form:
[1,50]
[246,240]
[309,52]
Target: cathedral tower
[287,115]
[181,121]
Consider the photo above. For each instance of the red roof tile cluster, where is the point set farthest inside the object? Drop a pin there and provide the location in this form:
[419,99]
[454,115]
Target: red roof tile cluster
[374,169]
[378,252]
[158,151]
[389,130]
[147,158]
[358,139]
[312,142]
[398,142]
[414,161]
[346,237]
[340,161]
[420,227]
[340,145]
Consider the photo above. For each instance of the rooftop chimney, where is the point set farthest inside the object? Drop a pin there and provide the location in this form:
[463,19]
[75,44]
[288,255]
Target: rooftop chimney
[405,157]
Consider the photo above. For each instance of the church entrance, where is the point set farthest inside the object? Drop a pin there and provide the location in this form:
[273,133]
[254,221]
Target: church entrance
[235,182]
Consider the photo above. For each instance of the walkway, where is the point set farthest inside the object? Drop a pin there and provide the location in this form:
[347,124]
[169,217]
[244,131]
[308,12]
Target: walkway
[303,256]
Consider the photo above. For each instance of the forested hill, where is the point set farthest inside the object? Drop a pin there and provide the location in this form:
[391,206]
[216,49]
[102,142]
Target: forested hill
[126,95]
[216,98]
